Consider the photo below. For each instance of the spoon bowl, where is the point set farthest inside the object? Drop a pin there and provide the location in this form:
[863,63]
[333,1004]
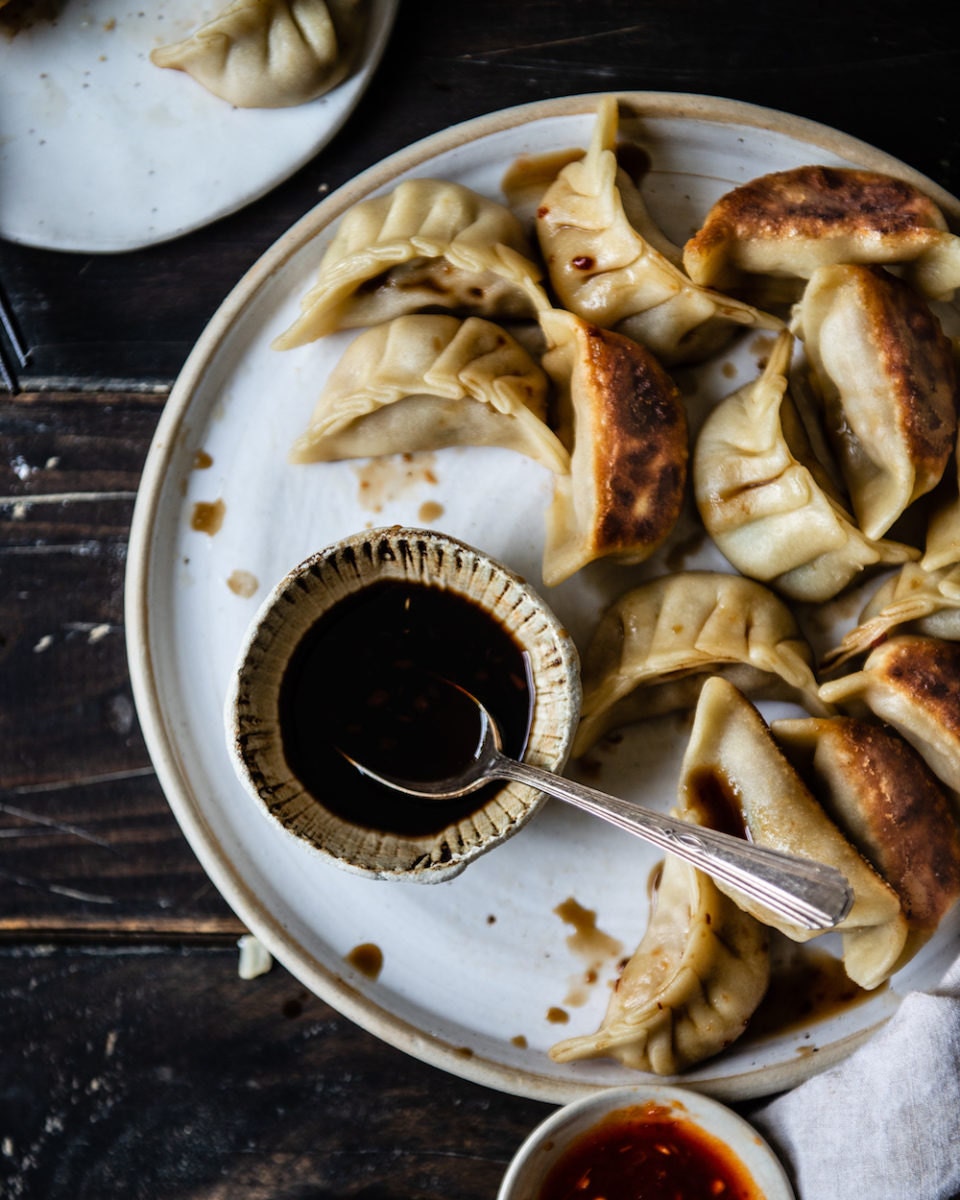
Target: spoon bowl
[811,894]
[475,773]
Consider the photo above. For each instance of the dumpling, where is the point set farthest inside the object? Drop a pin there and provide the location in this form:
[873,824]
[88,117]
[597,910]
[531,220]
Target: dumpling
[425,382]
[654,647]
[884,371]
[889,804]
[691,986]
[733,767]
[769,513]
[788,223]
[912,601]
[912,683]
[609,264]
[270,53]
[625,423]
[429,244]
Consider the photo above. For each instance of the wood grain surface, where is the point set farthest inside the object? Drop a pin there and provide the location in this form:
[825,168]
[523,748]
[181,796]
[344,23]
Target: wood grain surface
[151,1072]
[134,1061]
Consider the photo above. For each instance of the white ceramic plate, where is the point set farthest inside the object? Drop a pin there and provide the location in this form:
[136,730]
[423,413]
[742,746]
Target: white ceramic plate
[482,974]
[100,150]
[547,1144]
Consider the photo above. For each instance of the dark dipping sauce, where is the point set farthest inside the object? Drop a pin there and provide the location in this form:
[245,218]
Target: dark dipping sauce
[370,677]
[648,1152]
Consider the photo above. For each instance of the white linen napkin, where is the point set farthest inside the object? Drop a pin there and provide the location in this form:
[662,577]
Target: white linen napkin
[883,1124]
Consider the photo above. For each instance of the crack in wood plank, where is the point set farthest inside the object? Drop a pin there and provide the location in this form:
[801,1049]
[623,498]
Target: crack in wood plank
[31,499]
[119,931]
[56,889]
[51,824]
[580,39]
[88,548]
[56,785]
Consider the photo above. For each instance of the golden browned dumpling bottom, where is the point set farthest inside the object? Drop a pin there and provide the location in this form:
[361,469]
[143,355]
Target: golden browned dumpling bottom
[817,201]
[912,683]
[624,419]
[788,223]
[644,443]
[891,804]
[928,670]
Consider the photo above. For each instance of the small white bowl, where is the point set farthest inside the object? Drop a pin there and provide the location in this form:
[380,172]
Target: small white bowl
[252,713]
[550,1141]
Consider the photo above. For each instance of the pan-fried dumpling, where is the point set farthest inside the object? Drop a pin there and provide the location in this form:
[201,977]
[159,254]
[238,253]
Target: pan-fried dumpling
[884,371]
[732,766]
[889,804]
[426,382]
[428,245]
[912,683]
[625,423]
[767,511]
[654,647]
[912,601]
[609,264]
[691,986]
[270,53]
[788,223]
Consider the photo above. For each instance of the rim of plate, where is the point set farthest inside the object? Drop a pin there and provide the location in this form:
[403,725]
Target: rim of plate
[161,744]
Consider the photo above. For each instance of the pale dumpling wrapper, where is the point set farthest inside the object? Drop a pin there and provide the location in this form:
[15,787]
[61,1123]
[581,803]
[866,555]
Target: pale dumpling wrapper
[528,176]
[427,382]
[609,263]
[731,755]
[912,683]
[885,374]
[913,600]
[270,53]
[428,244]
[624,421]
[789,223]
[654,647]
[768,513]
[889,804]
[691,986]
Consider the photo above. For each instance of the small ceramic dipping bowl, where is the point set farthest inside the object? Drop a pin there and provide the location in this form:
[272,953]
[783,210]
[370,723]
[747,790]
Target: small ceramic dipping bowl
[638,1141]
[319,637]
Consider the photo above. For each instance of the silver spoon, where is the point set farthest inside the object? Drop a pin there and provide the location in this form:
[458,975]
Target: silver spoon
[810,894]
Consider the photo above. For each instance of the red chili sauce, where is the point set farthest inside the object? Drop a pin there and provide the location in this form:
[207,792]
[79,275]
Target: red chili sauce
[648,1152]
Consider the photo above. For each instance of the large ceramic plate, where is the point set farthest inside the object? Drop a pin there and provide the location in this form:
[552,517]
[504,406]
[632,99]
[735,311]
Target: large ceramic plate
[100,150]
[482,974]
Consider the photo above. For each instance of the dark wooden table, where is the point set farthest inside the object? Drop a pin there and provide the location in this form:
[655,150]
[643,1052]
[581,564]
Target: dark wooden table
[133,1060]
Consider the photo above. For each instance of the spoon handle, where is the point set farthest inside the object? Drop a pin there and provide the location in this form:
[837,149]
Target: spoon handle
[810,894]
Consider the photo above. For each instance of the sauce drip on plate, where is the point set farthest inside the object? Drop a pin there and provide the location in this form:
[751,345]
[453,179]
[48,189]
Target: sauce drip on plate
[370,676]
[648,1152]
